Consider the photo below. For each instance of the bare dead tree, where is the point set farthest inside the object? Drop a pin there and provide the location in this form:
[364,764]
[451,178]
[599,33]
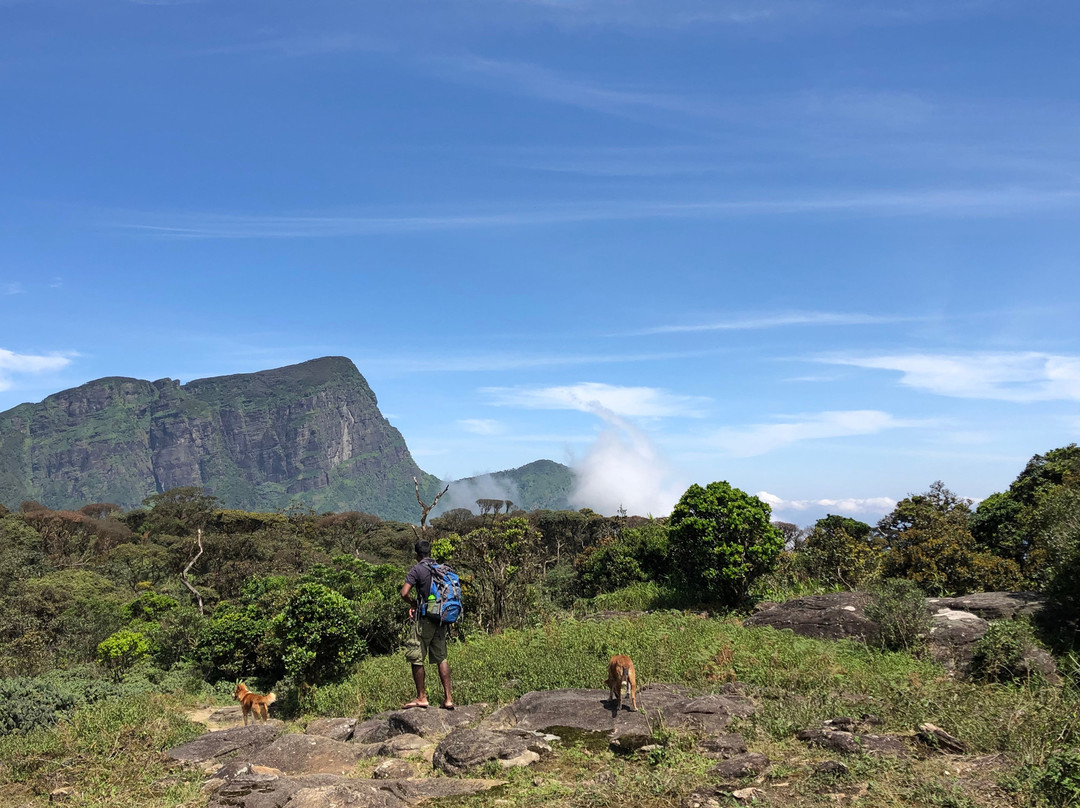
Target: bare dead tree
[425,509]
[183,575]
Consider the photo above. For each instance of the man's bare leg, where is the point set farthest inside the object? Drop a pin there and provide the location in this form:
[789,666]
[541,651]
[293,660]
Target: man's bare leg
[444,677]
[421,691]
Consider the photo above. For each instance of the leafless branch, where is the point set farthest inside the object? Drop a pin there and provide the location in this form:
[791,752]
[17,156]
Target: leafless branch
[426,509]
[183,575]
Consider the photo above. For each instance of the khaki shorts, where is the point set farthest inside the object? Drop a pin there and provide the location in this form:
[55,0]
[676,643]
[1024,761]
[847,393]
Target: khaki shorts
[427,640]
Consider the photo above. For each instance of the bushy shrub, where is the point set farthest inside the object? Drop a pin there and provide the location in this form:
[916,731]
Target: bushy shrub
[149,606]
[635,555]
[898,607]
[317,634]
[121,651]
[27,704]
[1002,653]
[234,644]
[1060,782]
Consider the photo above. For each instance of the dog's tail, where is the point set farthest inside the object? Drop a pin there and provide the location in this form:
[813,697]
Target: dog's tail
[625,675]
[270,698]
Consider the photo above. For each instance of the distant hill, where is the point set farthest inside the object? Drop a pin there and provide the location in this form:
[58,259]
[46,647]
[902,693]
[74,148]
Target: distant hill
[543,484]
[309,433]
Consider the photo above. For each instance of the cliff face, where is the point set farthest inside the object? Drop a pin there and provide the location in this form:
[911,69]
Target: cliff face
[310,433]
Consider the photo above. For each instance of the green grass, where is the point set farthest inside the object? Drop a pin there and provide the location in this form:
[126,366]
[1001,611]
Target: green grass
[111,752]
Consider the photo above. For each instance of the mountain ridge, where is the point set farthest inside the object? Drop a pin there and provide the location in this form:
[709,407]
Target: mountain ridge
[309,434]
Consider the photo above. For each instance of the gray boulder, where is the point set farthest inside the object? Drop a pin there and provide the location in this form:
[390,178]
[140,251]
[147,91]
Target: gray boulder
[338,729]
[432,722]
[854,743]
[465,749]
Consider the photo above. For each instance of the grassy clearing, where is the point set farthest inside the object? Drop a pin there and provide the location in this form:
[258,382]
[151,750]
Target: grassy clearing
[111,752]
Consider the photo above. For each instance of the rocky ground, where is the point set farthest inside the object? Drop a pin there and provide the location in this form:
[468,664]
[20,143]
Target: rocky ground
[403,757]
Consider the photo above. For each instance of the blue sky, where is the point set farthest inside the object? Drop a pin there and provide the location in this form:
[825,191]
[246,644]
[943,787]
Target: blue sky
[824,250]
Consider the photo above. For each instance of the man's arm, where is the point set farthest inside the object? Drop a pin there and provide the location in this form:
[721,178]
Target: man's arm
[408,598]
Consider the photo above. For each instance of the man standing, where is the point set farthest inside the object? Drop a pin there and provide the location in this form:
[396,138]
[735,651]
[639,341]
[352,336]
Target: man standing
[428,637]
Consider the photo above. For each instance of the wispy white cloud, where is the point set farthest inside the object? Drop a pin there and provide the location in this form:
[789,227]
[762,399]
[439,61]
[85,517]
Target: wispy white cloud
[1018,376]
[781,320]
[298,45]
[758,439]
[841,506]
[635,402]
[475,363]
[12,364]
[482,426]
[11,289]
[663,14]
[930,202]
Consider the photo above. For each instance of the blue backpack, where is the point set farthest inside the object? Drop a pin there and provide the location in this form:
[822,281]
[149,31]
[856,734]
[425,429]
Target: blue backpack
[444,599]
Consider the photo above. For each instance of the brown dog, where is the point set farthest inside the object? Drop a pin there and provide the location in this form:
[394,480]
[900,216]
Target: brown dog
[620,674]
[253,702]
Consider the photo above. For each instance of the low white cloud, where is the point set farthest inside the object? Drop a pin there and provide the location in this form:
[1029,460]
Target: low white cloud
[623,470]
[842,506]
[482,426]
[758,439]
[634,402]
[464,493]
[1017,376]
[12,364]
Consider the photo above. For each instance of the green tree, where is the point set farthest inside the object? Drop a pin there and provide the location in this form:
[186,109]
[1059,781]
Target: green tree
[374,591]
[842,551]
[929,542]
[1013,525]
[179,511]
[317,636]
[722,540]
[502,562]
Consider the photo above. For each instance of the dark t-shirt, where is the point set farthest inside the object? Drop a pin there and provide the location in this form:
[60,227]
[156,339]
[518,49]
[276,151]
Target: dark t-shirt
[420,578]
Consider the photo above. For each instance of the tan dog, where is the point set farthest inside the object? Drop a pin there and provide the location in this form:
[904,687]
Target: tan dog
[253,702]
[620,674]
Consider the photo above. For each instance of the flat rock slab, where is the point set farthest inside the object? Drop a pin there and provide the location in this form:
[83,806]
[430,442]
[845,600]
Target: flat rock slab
[308,754]
[465,749]
[374,730]
[243,741]
[993,605]
[835,616]
[722,746]
[543,710]
[855,743]
[746,765]
[324,791]
[337,729]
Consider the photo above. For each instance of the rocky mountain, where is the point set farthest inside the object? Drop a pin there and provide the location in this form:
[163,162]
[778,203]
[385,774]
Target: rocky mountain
[309,433]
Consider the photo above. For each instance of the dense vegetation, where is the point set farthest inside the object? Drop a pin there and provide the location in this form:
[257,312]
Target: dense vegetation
[104,606]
